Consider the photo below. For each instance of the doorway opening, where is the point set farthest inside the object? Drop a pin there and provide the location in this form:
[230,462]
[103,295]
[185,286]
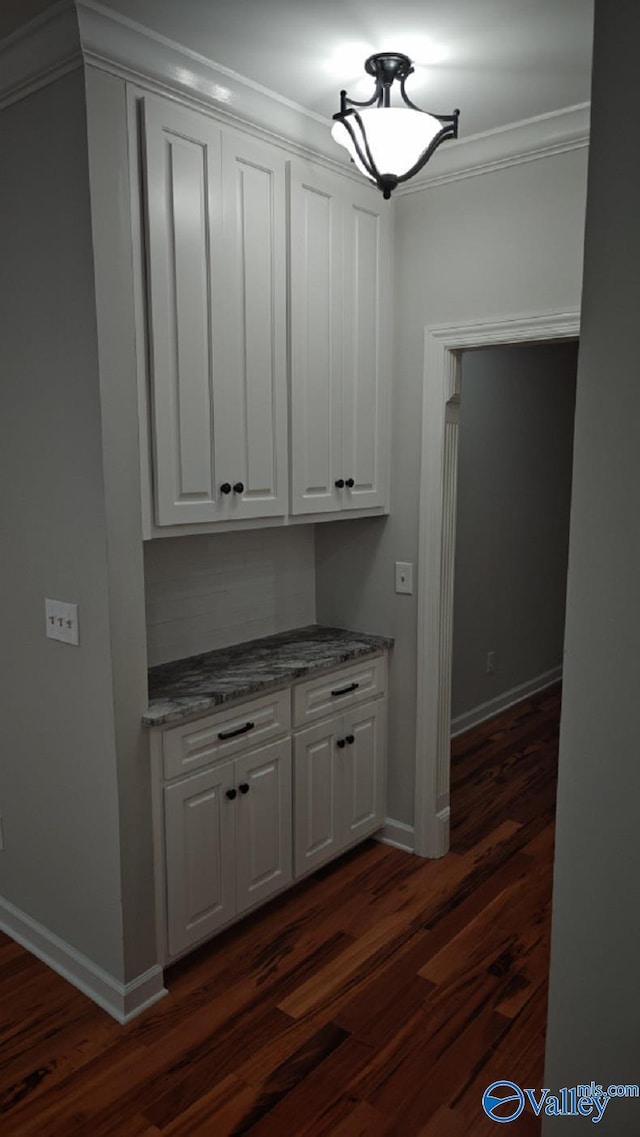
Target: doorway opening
[438,501]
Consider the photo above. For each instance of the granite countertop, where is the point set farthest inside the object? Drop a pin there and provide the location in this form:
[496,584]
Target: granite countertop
[193,686]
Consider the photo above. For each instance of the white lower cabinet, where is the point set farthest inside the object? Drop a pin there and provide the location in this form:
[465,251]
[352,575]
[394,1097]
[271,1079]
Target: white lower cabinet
[227,838]
[263,826]
[200,836]
[364,771]
[339,775]
[317,773]
[236,819]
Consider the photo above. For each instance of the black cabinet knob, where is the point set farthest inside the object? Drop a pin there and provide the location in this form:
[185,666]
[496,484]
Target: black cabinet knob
[339,483]
[350,483]
[225,487]
[350,739]
[238,487]
[231,794]
[341,743]
[244,787]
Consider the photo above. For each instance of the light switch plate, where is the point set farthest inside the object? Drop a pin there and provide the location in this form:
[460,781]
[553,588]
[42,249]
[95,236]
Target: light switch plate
[62,621]
[404,577]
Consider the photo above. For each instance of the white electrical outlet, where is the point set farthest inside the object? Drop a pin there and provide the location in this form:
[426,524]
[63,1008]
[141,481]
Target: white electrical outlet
[491,662]
[404,577]
[62,621]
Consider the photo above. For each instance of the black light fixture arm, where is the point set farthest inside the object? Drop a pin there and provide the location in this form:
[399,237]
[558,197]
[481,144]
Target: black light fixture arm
[449,130]
[387,68]
[346,102]
[366,157]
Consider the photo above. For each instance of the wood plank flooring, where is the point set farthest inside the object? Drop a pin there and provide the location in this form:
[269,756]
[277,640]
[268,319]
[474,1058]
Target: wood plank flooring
[381,997]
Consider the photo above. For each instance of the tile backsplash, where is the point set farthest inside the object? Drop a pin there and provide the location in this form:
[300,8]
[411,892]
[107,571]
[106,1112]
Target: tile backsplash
[208,591]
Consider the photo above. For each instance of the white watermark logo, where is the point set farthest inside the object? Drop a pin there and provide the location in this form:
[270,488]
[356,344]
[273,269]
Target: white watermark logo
[504,1101]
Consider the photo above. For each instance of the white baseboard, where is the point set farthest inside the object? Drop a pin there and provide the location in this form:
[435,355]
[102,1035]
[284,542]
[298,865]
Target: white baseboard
[123,1001]
[398,834]
[502,702]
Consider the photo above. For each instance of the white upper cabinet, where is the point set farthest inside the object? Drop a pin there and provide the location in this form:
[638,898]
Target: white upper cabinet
[219,235]
[254,405]
[316,219]
[215,214]
[366,362]
[340,358]
[183,213]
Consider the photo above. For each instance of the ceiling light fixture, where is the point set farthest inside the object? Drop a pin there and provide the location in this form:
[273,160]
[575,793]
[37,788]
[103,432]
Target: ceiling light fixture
[390,144]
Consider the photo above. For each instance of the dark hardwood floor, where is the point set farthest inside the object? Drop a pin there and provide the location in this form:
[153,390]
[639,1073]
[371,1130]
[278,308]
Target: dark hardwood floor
[380,997]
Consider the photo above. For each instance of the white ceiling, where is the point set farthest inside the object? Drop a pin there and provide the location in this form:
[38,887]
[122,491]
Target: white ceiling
[500,61]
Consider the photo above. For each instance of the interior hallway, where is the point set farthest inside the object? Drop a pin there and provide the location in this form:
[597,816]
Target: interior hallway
[380,997]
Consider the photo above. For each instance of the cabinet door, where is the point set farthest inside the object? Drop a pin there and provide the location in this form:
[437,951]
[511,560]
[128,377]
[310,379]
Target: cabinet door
[363,770]
[263,826]
[182,175]
[252,451]
[367,260]
[316,340]
[317,817]
[200,856]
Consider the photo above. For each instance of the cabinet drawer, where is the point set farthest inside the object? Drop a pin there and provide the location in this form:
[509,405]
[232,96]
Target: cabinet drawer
[227,732]
[332,693]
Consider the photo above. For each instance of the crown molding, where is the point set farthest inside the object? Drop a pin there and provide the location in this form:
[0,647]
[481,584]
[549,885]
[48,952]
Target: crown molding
[72,33]
[138,53]
[525,141]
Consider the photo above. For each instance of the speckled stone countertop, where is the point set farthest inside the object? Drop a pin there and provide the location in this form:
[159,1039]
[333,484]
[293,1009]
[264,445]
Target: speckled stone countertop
[192,686]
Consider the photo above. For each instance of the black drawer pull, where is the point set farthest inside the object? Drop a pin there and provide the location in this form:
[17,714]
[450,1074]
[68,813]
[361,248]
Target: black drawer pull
[350,483]
[350,738]
[238,487]
[345,690]
[224,734]
[244,787]
[341,743]
[231,794]
[225,487]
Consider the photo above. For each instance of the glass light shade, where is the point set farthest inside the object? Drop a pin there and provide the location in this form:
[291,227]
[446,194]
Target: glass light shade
[397,137]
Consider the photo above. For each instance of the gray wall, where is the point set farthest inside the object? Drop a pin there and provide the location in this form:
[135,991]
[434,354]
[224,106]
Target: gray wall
[15,13]
[489,247]
[58,791]
[206,592]
[594,1011]
[512,526]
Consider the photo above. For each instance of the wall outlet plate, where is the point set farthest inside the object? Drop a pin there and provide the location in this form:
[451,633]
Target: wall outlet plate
[62,621]
[404,577]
